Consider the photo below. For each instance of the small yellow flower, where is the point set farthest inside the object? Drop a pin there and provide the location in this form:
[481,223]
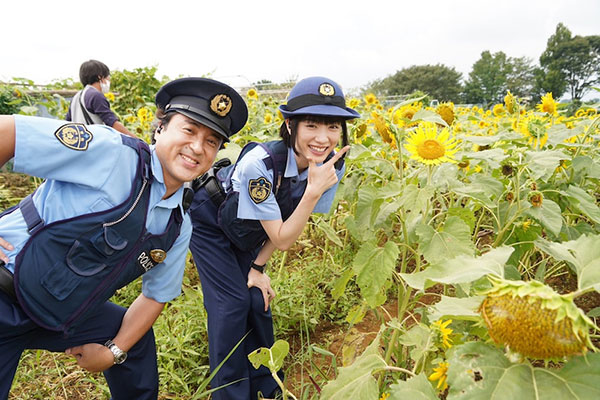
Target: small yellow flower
[252,94]
[18,93]
[548,105]
[446,111]
[144,114]
[130,119]
[353,102]
[498,110]
[510,102]
[370,99]
[440,374]
[384,396]
[110,96]
[444,331]
[268,118]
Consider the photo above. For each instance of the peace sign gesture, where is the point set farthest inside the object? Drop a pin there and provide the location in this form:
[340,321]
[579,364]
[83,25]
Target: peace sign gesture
[322,177]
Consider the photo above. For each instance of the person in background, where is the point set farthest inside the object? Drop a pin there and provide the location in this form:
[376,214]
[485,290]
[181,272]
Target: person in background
[89,105]
[247,210]
[112,208]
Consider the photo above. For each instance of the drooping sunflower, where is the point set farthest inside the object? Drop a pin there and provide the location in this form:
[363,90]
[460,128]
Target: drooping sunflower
[498,110]
[446,111]
[548,105]
[382,128]
[440,374]
[444,332]
[429,147]
[510,102]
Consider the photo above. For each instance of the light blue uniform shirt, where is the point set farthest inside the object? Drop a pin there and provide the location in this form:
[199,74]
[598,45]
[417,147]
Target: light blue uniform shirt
[251,167]
[83,181]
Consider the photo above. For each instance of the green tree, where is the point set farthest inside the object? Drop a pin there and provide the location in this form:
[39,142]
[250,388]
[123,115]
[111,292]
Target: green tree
[439,81]
[569,64]
[488,80]
[520,77]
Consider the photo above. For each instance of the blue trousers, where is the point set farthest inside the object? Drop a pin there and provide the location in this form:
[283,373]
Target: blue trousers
[136,378]
[233,309]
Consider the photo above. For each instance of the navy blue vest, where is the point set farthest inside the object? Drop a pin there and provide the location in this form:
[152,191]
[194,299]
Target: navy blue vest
[248,234]
[69,267]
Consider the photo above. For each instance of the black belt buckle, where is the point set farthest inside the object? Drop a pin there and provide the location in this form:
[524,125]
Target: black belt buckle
[7,282]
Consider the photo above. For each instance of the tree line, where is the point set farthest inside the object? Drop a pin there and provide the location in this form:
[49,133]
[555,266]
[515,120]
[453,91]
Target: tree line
[569,65]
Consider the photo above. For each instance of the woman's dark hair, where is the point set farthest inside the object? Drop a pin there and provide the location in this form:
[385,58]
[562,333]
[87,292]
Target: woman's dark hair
[289,137]
[92,71]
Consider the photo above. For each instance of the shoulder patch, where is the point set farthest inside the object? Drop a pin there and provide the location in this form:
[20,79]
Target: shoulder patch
[74,136]
[259,189]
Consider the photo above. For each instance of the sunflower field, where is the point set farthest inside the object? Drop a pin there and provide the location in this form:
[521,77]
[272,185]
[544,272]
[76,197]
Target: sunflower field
[469,237]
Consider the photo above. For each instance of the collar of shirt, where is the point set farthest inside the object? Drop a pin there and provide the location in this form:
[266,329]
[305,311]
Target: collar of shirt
[291,168]
[159,189]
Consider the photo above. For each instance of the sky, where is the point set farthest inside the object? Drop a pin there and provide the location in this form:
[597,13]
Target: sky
[241,42]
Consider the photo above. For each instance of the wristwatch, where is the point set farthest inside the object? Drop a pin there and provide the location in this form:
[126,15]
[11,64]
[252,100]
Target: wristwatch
[259,268]
[120,355]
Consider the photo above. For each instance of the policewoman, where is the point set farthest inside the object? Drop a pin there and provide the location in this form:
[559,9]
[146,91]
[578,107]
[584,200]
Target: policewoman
[261,203]
[110,210]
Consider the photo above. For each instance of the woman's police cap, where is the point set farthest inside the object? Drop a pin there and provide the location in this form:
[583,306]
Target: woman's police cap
[317,96]
[212,103]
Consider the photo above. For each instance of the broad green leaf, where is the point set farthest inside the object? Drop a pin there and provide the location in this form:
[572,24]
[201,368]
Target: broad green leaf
[339,286]
[548,215]
[459,308]
[417,388]
[583,201]
[329,232]
[465,214]
[391,189]
[478,371]
[367,206]
[418,340]
[428,116]
[582,254]
[453,240]
[543,163]
[385,211]
[586,165]
[415,199]
[373,266]
[356,314]
[360,233]
[271,358]
[493,157]
[461,269]
[482,188]
[356,381]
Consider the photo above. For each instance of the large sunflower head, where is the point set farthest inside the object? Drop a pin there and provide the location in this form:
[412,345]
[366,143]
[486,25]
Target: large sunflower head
[548,105]
[429,147]
[535,129]
[535,321]
[406,112]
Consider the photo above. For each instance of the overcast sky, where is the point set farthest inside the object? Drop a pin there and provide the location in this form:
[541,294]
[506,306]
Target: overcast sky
[240,42]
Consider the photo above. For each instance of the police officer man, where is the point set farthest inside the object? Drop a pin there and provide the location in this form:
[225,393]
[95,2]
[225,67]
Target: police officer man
[109,210]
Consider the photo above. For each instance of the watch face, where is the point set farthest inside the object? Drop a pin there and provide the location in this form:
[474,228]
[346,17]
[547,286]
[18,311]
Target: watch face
[119,359]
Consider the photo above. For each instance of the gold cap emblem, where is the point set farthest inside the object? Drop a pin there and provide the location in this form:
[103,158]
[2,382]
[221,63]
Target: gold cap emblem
[158,255]
[221,105]
[326,89]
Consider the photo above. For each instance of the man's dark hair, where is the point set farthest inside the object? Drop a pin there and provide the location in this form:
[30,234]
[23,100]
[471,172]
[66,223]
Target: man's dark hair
[92,71]
[161,122]
[290,138]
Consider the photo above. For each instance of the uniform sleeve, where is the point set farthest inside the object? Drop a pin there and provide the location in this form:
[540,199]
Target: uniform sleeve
[163,282]
[324,203]
[68,152]
[256,200]
[98,104]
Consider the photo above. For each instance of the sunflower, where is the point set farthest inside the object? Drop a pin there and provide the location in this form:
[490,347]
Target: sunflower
[535,129]
[252,94]
[268,118]
[548,105]
[510,102]
[110,96]
[536,198]
[429,147]
[405,113]
[498,110]
[444,332]
[370,99]
[353,102]
[382,128]
[440,375]
[446,111]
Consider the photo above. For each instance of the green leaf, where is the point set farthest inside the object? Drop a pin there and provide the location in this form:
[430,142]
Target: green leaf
[418,338]
[271,358]
[453,240]
[386,210]
[458,308]
[583,201]
[482,188]
[582,254]
[428,116]
[339,286]
[415,199]
[356,381]
[548,215]
[461,269]
[356,314]
[542,164]
[482,372]
[330,232]
[493,157]
[417,388]
[465,214]
[373,266]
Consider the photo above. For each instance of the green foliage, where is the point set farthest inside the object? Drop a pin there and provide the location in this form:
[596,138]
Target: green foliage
[438,81]
[135,88]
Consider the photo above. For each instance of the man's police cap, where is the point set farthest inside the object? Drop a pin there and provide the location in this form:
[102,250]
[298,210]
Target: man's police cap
[317,96]
[212,103]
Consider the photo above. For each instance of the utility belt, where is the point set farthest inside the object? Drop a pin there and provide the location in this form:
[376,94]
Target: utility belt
[7,282]
[211,183]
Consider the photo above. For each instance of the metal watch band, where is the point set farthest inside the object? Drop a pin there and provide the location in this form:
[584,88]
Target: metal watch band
[119,355]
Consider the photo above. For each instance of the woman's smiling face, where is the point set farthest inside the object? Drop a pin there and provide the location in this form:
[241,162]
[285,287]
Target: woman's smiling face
[316,140]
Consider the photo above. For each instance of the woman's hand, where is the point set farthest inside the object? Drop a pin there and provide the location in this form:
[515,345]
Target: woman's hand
[322,177]
[263,282]
[5,245]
